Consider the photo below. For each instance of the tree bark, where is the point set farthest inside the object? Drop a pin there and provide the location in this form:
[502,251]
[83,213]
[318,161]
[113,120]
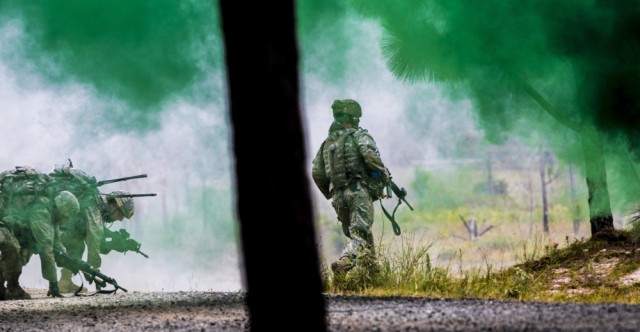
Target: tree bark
[273,198]
[600,215]
[543,188]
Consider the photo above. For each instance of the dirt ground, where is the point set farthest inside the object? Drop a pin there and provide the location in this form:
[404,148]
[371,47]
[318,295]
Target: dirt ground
[218,311]
[132,311]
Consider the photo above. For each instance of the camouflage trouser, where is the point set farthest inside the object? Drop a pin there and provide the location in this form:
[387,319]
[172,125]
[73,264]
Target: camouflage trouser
[87,228]
[11,261]
[45,239]
[355,211]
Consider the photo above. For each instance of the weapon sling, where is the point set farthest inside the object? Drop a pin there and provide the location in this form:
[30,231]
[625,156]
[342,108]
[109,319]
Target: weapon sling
[391,217]
[101,291]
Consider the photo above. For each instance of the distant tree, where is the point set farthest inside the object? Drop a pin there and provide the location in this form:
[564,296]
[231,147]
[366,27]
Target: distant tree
[577,60]
[473,233]
[547,175]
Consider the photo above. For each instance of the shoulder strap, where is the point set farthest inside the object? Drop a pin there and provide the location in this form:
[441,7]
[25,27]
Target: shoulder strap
[391,217]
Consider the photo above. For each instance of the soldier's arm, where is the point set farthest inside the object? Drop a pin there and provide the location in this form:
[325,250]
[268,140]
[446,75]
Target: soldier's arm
[319,174]
[371,155]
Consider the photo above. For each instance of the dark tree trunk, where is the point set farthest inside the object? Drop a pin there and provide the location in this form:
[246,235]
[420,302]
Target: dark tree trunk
[600,215]
[273,199]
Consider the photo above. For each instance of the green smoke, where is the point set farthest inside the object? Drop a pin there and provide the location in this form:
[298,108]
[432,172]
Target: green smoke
[136,55]
[324,46]
[558,69]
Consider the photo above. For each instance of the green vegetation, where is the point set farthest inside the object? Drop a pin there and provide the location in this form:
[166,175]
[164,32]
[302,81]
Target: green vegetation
[601,269]
[514,259]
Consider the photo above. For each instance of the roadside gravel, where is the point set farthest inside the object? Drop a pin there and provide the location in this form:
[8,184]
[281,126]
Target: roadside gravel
[218,311]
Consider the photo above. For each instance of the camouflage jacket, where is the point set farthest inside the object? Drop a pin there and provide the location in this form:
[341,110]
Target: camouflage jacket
[22,186]
[345,155]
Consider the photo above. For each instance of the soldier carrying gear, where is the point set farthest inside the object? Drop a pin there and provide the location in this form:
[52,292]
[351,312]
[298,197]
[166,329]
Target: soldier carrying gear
[348,170]
[32,210]
[89,230]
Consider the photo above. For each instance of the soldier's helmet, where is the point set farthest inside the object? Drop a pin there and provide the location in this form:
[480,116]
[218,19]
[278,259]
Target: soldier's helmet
[66,204]
[123,203]
[346,106]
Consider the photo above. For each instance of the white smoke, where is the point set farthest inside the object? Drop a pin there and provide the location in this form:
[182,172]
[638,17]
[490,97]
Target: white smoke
[186,159]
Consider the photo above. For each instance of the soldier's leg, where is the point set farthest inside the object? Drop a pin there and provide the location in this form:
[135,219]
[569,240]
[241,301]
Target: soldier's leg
[362,214]
[42,229]
[344,262]
[74,245]
[95,233]
[10,267]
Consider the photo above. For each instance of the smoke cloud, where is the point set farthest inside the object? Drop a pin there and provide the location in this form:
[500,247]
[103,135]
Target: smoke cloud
[122,89]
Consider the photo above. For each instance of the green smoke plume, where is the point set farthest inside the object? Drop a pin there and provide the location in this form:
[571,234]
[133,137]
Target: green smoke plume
[567,70]
[323,44]
[137,55]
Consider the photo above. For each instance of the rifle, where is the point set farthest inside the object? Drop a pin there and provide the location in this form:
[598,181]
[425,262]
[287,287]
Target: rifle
[103,182]
[76,265]
[130,195]
[400,192]
[119,242]
[392,187]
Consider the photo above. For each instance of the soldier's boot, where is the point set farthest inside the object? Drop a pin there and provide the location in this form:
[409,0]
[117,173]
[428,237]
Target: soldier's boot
[341,266]
[14,291]
[54,291]
[66,285]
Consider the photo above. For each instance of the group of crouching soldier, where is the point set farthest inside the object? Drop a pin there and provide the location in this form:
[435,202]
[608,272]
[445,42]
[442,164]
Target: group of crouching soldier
[53,215]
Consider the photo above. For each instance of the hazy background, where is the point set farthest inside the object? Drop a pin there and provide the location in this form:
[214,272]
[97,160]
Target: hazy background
[124,88]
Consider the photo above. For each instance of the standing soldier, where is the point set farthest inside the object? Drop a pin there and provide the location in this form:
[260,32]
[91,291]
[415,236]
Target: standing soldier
[87,229]
[32,210]
[348,170]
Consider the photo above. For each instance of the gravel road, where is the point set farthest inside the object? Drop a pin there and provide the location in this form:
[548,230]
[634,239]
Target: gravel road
[218,311]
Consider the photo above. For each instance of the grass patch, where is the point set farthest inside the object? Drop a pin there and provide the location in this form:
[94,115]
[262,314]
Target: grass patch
[601,269]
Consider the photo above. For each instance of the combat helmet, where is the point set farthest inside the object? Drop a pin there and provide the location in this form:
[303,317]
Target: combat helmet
[66,204]
[123,203]
[346,106]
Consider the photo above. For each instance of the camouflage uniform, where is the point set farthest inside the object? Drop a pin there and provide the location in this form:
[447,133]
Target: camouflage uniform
[41,237]
[10,264]
[348,170]
[87,228]
[30,212]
